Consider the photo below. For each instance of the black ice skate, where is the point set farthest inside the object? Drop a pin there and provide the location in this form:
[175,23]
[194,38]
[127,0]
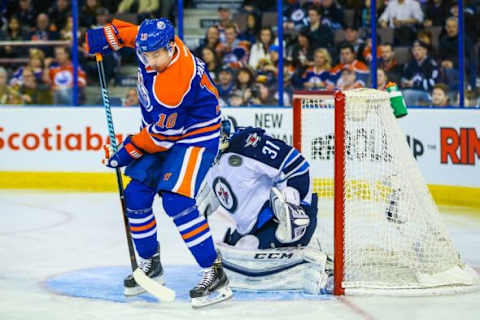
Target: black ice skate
[152,268]
[213,288]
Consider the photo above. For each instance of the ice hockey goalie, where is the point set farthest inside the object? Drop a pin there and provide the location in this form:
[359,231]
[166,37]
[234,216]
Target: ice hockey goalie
[264,186]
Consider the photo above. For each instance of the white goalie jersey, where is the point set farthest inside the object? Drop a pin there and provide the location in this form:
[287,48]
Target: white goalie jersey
[245,173]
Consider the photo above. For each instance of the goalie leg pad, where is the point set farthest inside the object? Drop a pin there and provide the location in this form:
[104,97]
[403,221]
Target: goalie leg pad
[274,269]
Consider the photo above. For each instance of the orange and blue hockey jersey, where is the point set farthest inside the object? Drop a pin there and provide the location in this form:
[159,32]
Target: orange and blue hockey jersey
[179,105]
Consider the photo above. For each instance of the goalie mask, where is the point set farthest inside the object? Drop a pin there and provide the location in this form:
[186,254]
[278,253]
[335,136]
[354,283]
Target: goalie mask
[227,130]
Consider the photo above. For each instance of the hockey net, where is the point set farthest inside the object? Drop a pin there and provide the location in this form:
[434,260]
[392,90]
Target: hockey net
[386,235]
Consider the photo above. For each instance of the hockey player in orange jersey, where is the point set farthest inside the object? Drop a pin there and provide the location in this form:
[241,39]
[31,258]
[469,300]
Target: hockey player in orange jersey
[173,151]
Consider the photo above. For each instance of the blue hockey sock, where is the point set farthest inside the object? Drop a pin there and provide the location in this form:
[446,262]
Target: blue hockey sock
[192,226]
[143,226]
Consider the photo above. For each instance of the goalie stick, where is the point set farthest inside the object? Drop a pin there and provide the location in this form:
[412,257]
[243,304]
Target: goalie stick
[161,292]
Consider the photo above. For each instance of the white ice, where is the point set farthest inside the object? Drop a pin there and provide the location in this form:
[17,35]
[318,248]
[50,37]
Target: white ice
[45,234]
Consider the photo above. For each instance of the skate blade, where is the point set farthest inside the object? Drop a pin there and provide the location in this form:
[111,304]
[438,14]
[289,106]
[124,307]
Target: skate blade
[220,295]
[135,291]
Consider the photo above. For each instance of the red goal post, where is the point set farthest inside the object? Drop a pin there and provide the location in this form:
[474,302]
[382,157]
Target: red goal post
[388,237]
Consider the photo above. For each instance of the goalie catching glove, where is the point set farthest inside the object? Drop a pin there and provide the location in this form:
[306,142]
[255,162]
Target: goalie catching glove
[292,219]
[125,155]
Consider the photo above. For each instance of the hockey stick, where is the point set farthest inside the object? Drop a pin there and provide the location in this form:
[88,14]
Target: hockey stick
[153,287]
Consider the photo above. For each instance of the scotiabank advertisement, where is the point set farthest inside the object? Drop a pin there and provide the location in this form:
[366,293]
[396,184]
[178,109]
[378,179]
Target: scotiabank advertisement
[445,143]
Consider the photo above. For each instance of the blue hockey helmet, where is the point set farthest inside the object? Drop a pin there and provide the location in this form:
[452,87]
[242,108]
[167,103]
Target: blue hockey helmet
[155,34]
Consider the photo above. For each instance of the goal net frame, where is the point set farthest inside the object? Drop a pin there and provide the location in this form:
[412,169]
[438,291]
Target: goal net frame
[468,282]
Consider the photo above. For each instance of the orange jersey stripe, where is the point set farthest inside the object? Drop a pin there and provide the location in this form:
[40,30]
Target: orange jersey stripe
[185,186]
[195,231]
[144,141]
[194,132]
[145,227]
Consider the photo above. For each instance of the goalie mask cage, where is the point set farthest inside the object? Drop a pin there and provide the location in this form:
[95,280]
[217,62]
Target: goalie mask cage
[388,237]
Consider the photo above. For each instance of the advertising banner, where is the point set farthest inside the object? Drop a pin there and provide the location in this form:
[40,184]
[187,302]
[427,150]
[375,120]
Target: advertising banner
[446,143]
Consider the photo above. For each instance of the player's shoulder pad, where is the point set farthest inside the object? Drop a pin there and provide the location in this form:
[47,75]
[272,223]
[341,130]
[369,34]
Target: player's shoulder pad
[256,144]
[173,84]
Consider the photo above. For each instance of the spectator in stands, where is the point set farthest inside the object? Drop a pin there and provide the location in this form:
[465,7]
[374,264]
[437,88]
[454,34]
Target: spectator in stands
[59,76]
[268,68]
[403,16]
[259,50]
[42,30]
[146,8]
[225,18]
[436,12]
[59,13]
[348,79]
[365,55]
[7,94]
[225,84]
[470,99]
[26,13]
[236,99]
[427,37]
[320,35]
[352,38]
[470,18]
[35,63]
[362,14]
[210,57]
[388,62]
[67,32]
[32,91]
[253,28]
[317,76]
[301,52]
[382,79]
[14,33]
[348,59]
[448,55]
[88,13]
[440,95]
[262,95]
[131,99]
[233,51]
[419,76]
[244,83]
[294,16]
[333,15]
[212,40]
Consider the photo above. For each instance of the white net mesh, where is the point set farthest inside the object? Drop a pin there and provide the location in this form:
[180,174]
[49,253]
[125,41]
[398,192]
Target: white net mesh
[394,237]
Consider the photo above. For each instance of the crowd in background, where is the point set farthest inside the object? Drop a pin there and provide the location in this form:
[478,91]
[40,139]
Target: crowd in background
[322,49]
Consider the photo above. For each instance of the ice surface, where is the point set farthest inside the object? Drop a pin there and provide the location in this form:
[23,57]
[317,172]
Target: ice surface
[63,256]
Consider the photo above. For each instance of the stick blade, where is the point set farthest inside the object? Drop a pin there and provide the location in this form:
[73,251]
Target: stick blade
[151,286]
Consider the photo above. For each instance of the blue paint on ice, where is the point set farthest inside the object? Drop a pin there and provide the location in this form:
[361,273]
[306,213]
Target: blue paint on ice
[106,283]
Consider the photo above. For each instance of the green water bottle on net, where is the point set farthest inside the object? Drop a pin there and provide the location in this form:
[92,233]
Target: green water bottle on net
[396,100]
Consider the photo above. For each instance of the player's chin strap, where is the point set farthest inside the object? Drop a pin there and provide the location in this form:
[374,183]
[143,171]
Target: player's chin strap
[292,219]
